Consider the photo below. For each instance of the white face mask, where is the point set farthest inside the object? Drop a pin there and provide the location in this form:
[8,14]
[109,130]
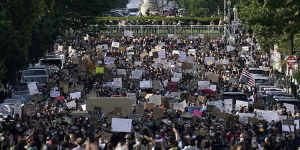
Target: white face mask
[137,142]
[101,145]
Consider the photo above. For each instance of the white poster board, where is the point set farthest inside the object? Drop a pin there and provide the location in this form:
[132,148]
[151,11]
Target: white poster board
[115,44]
[121,125]
[109,60]
[213,87]
[203,84]
[146,84]
[117,83]
[228,106]
[128,33]
[104,46]
[240,104]
[75,95]
[243,117]
[289,107]
[180,106]
[33,88]
[137,74]
[71,104]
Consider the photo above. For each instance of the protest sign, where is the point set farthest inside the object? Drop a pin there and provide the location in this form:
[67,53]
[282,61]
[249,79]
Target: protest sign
[60,48]
[177,75]
[128,33]
[121,71]
[218,104]
[75,95]
[180,106]
[209,60]
[267,115]
[145,84]
[170,36]
[182,56]
[109,60]
[213,77]
[140,109]
[137,74]
[71,104]
[203,85]
[59,98]
[245,48]
[117,83]
[172,86]
[156,85]
[104,47]
[230,48]
[228,106]
[133,97]
[109,104]
[162,54]
[149,106]
[100,70]
[121,125]
[192,52]
[240,104]
[115,44]
[193,108]
[213,87]
[175,79]
[32,88]
[289,107]
[155,99]
[54,93]
[243,117]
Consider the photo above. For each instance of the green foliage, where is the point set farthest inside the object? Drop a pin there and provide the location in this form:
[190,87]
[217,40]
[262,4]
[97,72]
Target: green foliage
[271,20]
[29,27]
[202,8]
[296,75]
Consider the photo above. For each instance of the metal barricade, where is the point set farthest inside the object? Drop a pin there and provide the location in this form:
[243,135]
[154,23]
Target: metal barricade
[210,31]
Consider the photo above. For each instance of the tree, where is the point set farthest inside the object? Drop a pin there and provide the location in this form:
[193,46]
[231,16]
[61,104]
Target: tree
[271,20]
[203,8]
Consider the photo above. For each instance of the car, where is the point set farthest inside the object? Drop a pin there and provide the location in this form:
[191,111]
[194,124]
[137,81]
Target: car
[257,72]
[262,80]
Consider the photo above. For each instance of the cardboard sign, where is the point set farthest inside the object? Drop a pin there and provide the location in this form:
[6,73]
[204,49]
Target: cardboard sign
[158,113]
[140,109]
[156,85]
[100,70]
[155,99]
[109,104]
[213,77]
[115,44]
[149,106]
[121,125]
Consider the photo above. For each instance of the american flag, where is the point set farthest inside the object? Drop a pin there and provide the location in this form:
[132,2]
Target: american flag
[248,77]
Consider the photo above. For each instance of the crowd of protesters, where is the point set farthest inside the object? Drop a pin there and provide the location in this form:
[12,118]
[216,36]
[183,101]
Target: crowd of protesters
[51,124]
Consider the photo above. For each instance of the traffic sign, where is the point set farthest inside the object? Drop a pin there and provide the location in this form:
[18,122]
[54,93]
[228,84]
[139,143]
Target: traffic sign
[291,60]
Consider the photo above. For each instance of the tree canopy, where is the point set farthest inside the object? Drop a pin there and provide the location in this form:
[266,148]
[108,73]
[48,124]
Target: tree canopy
[28,28]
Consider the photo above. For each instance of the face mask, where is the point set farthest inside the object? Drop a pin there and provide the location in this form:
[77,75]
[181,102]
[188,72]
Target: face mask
[137,142]
[102,146]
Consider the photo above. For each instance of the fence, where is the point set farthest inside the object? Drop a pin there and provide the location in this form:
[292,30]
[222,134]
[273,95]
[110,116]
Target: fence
[210,31]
